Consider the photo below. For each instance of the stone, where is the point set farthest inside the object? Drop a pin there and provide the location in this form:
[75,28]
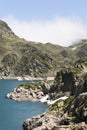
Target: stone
[81,126]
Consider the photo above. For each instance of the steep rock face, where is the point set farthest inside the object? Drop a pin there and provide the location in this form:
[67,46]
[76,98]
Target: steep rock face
[64,82]
[68,80]
[78,105]
[72,79]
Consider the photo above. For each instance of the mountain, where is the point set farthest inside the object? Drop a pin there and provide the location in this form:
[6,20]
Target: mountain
[19,57]
[80,48]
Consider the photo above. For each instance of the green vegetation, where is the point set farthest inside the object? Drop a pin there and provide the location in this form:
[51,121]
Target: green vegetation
[32,85]
[67,101]
[60,105]
[57,106]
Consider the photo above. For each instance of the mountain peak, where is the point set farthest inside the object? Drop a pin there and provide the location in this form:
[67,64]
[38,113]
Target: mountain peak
[5,31]
[4,24]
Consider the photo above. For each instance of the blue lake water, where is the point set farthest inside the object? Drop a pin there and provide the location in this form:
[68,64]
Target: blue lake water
[14,113]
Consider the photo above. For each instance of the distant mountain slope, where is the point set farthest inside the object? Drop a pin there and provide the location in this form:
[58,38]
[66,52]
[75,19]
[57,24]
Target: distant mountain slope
[80,48]
[19,57]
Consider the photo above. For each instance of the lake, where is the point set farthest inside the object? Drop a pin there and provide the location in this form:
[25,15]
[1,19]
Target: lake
[14,113]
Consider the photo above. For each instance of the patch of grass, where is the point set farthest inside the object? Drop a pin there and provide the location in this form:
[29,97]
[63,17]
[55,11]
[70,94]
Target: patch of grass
[67,101]
[57,106]
[60,105]
[32,85]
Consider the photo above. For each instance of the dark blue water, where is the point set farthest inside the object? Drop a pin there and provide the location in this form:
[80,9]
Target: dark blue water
[13,113]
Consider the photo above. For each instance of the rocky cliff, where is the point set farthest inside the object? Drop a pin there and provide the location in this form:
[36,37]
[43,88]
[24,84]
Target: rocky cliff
[71,113]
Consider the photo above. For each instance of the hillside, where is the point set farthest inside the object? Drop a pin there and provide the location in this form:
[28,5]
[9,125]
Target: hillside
[19,57]
[80,48]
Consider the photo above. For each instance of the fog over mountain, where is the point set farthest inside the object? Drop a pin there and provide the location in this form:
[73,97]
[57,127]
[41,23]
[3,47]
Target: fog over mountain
[60,31]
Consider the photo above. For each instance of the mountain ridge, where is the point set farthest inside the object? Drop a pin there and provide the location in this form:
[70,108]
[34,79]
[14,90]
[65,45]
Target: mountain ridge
[19,57]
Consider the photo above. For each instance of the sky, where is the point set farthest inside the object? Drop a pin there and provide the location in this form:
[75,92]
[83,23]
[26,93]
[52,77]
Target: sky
[61,22]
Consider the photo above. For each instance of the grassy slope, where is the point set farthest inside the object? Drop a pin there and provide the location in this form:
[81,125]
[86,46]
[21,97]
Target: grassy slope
[20,57]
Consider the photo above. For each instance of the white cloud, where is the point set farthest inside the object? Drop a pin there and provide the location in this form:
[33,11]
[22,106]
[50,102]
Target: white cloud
[61,31]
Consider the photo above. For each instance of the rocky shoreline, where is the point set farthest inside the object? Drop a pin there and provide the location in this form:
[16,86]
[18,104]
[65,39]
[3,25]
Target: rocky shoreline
[67,99]
[22,94]
[36,94]
[20,78]
[68,114]
[51,122]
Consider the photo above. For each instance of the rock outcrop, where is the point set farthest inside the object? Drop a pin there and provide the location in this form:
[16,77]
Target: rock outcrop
[29,92]
[69,114]
[22,94]
[53,119]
